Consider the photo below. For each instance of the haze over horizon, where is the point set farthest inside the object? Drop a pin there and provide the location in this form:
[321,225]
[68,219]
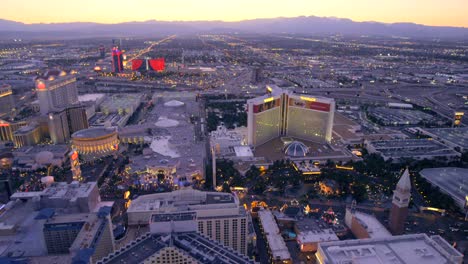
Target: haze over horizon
[426,12]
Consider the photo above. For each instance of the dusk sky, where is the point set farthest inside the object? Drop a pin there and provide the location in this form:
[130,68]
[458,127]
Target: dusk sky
[428,12]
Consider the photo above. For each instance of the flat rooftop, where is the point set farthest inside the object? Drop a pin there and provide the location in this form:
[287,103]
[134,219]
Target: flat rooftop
[392,116]
[69,191]
[184,199]
[451,180]
[90,97]
[278,248]
[309,231]
[457,136]
[411,148]
[405,249]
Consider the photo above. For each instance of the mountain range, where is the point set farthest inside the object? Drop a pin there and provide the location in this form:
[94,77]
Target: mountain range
[307,25]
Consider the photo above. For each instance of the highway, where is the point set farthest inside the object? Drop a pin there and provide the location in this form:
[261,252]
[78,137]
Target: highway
[150,47]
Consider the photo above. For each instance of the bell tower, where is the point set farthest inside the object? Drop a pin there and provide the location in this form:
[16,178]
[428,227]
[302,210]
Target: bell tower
[400,202]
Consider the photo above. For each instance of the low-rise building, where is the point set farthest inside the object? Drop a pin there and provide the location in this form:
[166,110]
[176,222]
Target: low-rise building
[73,198]
[39,156]
[363,225]
[411,148]
[452,181]
[310,234]
[277,248]
[96,142]
[29,135]
[456,138]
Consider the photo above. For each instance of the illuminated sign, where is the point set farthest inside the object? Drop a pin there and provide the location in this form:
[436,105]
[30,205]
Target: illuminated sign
[312,173]
[74,155]
[309,103]
[309,99]
[268,103]
[344,167]
[458,117]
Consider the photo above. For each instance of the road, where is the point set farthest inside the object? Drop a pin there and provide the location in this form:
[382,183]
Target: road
[150,47]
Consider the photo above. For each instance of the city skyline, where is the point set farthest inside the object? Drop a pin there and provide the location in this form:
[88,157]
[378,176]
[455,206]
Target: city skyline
[433,12]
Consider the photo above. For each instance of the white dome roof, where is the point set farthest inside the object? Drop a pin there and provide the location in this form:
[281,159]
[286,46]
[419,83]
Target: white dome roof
[44,157]
[165,122]
[173,103]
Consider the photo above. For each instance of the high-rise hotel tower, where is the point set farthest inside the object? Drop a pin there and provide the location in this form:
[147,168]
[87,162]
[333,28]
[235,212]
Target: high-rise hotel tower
[283,113]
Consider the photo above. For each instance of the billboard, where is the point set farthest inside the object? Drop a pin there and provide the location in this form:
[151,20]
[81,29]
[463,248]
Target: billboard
[157,64]
[138,65]
[267,104]
[309,103]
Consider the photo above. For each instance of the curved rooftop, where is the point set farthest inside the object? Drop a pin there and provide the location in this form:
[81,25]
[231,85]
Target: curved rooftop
[166,122]
[94,132]
[174,103]
[296,149]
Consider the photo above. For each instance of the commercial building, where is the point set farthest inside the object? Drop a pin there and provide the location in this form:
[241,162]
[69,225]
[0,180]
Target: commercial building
[218,216]
[277,249]
[310,234]
[176,147]
[175,248]
[65,223]
[40,156]
[452,181]
[6,100]
[121,103]
[56,92]
[456,138]
[364,225]
[135,134]
[59,130]
[28,135]
[224,141]
[282,113]
[96,238]
[66,122]
[404,249]
[411,148]
[398,117]
[71,198]
[60,231]
[7,129]
[95,142]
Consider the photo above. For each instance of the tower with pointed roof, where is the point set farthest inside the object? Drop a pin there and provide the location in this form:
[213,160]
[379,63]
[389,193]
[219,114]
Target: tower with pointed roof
[400,202]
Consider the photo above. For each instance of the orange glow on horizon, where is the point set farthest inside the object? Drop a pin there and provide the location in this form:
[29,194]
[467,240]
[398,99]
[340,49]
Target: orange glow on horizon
[427,12]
